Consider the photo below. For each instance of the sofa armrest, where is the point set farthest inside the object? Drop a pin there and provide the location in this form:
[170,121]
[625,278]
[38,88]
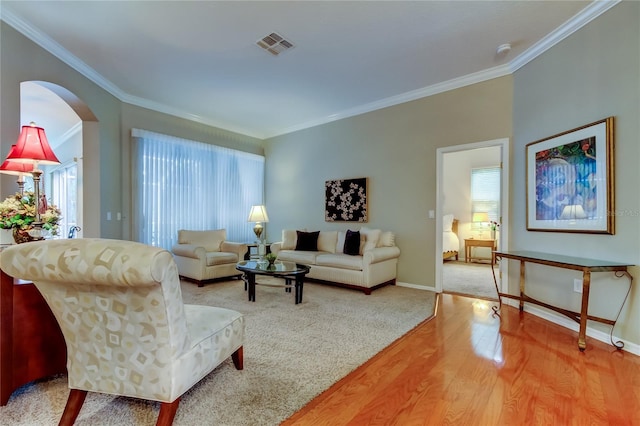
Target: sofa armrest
[380,254]
[276,247]
[239,248]
[188,250]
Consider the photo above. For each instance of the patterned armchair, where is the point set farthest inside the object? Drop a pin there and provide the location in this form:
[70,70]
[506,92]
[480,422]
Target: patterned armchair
[127,331]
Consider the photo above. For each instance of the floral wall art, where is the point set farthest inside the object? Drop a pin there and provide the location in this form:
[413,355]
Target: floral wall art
[346,200]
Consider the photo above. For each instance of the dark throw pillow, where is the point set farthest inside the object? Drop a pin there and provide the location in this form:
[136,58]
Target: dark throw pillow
[352,243]
[307,241]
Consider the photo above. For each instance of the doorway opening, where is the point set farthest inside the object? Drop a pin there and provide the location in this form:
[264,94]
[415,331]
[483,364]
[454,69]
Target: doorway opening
[473,187]
[72,131]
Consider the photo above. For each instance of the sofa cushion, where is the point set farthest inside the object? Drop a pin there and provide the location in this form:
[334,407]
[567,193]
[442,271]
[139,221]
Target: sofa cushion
[340,243]
[289,237]
[221,258]
[210,240]
[387,239]
[352,243]
[307,241]
[327,241]
[371,238]
[304,257]
[338,260]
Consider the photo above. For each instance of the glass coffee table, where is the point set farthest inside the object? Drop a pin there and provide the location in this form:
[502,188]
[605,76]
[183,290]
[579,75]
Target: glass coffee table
[292,273]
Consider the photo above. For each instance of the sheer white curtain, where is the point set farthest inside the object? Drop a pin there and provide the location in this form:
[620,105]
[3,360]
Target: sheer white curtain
[183,184]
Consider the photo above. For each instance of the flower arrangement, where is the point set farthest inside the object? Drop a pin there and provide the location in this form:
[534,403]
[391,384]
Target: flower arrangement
[271,257]
[18,212]
[494,225]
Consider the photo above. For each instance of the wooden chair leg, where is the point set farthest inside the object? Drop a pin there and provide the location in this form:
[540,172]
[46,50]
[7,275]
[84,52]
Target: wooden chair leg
[167,413]
[72,409]
[238,358]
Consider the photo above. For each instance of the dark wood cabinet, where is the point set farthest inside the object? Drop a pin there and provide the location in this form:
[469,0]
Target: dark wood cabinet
[31,343]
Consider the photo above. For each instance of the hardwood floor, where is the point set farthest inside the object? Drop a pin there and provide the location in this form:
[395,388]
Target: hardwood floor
[466,367]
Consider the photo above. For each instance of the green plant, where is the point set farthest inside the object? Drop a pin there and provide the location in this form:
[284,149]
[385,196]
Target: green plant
[18,211]
[271,257]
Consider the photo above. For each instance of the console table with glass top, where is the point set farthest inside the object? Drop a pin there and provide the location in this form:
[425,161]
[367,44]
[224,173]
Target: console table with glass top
[587,266]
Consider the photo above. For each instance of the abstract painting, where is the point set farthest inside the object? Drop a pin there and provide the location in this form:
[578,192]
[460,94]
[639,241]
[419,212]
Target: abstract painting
[346,200]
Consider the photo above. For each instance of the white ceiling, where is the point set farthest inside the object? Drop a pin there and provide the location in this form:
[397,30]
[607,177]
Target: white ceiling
[199,60]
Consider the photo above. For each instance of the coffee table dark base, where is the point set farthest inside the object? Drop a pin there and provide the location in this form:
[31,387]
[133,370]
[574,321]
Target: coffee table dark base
[250,285]
[292,273]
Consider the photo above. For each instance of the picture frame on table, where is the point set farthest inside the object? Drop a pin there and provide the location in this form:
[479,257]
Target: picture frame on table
[570,181]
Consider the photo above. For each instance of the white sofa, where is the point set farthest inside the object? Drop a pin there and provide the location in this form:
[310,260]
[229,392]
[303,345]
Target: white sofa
[374,265]
[206,255]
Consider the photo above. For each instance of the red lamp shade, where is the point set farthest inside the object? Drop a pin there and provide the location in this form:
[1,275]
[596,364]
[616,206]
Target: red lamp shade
[33,147]
[11,167]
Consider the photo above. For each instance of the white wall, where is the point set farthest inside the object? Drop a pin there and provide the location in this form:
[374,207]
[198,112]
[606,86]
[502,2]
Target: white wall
[456,187]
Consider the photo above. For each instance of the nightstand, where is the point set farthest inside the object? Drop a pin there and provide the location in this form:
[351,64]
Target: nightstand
[479,242]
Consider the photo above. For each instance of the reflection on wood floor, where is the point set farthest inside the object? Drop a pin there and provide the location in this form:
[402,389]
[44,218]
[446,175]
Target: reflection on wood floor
[468,367]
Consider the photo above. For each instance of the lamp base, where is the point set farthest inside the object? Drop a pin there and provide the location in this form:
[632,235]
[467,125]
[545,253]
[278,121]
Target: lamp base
[22,236]
[258,230]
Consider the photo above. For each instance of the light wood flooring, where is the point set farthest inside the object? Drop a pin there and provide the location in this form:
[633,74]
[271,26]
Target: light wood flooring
[467,367]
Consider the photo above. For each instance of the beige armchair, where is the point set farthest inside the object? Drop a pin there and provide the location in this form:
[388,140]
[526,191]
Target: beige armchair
[206,255]
[127,331]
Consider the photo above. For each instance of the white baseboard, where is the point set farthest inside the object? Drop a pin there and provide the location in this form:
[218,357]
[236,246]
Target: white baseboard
[572,325]
[416,286]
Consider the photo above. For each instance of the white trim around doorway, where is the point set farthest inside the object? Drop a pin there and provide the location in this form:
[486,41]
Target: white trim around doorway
[501,273]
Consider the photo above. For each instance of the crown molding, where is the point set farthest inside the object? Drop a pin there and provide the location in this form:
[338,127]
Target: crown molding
[585,16]
[413,95]
[53,47]
[75,129]
[578,21]
[165,109]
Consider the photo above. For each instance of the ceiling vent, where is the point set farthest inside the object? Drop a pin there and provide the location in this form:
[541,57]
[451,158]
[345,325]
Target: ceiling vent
[274,43]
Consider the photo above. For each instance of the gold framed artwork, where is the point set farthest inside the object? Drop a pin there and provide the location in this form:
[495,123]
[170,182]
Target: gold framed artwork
[570,180]
[346,200]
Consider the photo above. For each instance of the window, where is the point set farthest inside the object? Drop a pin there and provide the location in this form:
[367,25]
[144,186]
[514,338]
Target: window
[65,196]
[183,184]
[485,192]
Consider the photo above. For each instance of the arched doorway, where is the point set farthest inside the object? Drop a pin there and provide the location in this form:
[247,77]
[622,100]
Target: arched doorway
[72,130]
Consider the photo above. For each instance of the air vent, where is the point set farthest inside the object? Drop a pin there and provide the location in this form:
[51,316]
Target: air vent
[274,43]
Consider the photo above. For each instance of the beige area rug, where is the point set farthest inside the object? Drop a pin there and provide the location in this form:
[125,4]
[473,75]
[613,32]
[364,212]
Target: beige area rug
[292,353]
[472,279]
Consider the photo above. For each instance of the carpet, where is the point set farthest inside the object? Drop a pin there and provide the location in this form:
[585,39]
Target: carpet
[471,279]
[292,353]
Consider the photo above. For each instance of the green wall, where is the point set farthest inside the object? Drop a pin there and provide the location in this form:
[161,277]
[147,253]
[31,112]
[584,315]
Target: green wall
[591,75]
[395,148]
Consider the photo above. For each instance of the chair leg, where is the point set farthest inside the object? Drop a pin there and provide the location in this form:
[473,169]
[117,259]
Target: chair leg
[238,358]
[72,409]
[167,413]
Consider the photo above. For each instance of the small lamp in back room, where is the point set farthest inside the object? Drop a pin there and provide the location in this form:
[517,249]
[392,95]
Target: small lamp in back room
[480,217]
[258,215]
